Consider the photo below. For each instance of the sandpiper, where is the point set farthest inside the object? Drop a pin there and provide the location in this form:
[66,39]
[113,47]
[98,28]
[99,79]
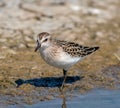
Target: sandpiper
[61,54]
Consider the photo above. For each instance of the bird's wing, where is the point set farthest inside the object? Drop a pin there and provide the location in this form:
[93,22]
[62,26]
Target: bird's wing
[75,49]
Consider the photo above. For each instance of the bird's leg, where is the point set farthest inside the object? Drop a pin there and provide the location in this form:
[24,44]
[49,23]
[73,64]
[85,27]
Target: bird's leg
[65,76]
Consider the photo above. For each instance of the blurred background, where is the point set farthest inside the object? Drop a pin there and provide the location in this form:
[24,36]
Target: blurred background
[87,22]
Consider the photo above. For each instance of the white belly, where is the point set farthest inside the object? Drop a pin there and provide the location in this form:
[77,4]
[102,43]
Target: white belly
[60,60]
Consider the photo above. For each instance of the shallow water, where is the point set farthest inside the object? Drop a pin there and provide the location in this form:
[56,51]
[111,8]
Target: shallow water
[93,99]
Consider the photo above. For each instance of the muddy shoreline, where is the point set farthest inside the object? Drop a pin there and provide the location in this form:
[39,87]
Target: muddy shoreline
[26,78]
[94,98]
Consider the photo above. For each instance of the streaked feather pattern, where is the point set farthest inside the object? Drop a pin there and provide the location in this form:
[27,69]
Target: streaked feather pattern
[75,49]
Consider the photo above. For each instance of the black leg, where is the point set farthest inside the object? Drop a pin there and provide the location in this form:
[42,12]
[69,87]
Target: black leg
[65,76]
[64,72]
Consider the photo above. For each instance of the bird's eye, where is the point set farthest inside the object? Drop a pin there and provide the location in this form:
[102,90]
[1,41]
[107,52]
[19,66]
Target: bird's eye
[45,40]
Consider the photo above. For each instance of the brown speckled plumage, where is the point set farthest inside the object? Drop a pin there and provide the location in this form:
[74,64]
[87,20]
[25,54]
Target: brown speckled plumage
[75,49]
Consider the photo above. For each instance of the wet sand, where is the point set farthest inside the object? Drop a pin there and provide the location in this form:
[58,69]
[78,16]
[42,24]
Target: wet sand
[97,98]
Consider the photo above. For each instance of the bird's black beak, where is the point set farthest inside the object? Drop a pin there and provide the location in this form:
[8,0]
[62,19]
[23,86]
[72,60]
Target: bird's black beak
[38,46]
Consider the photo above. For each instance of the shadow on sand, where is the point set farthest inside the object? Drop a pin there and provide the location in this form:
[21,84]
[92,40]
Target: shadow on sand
[47,81]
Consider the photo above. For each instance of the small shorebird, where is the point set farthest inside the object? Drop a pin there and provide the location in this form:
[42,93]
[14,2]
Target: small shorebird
[61,54]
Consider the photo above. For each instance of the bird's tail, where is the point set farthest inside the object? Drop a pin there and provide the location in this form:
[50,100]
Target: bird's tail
[89,50]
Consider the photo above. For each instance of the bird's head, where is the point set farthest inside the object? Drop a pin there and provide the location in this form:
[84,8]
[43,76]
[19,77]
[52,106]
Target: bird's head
[43,40]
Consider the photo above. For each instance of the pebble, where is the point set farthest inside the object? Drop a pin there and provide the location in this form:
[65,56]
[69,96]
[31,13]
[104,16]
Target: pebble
[10,51]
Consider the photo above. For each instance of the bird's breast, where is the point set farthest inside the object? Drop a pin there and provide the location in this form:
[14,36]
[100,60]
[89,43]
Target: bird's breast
[58,58]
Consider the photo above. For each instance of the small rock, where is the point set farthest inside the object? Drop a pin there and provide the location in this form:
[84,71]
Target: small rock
[11,51]
[21,45]
[100,34]
[27,32]
[75,7]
